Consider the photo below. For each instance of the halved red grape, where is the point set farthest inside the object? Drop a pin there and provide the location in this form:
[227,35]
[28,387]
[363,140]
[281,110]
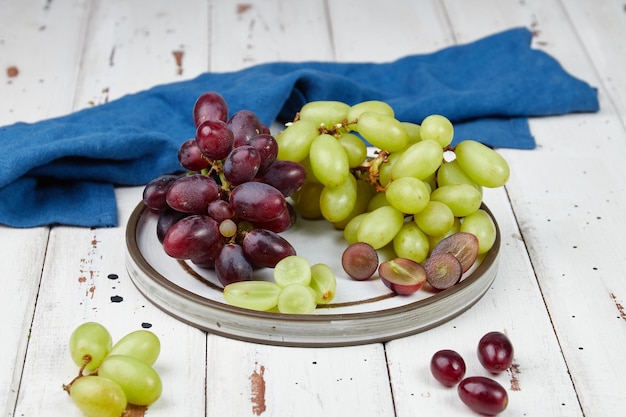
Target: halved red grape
[209,106]
[448,367]
[443,270]
[360,261]
[402,275]
[462,245]
[495,352]
[483,395]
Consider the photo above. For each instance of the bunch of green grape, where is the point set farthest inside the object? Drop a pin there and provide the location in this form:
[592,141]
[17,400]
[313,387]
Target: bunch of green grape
[298,288]
[412,192]
[112,376]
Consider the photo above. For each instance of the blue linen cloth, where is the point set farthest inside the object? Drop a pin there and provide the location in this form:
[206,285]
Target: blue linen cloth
[64,170]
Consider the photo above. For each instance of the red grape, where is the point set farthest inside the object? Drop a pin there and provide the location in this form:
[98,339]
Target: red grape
[495,352]
[191,237]
[214,139]
[360,261]
[267,147]
[284,221]
[443,270]
[242,164]
[483,395]
[245,124]
[462,245]
[402,275]
[448,367]
[265,248]
[287,176]
[220,210]
[232,266]
[257,202]
[190,156]
[155,191]
[192,193]
[167,218]
[209,106]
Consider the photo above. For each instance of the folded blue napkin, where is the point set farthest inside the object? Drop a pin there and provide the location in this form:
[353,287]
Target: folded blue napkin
[63,170]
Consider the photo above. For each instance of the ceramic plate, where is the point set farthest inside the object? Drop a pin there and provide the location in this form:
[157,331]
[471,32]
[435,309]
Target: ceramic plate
[361,312]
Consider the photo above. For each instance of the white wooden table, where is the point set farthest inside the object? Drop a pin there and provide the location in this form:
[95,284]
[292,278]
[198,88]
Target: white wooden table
[561,286]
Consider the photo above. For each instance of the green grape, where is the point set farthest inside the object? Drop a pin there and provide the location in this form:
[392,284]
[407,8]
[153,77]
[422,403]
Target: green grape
[253,295]
[380,226]
[140,344]
[408,194]
[419,160]
[436,218]
[481,225]
[411,243]
[140,382]
[336,203]
[413,130]
[297,299]
[308,200]
[364,193]
[89,344]
[452,173]
[326,113]
[456,227]
[377,200]
[352,227]
[375,106]
[355,149]
[329,161]
[484,165]
[295,141]
[292,269]
[386,168]
[310,175]
[323,282]
[438,128]
[463,199]
[97,396]
[382,131]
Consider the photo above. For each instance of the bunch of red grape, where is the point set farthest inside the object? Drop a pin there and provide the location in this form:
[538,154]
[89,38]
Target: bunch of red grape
[227,210]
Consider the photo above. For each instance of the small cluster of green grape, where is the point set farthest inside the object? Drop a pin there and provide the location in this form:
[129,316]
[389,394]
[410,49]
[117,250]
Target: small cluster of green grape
[298,288]
[414,191]
[113,376]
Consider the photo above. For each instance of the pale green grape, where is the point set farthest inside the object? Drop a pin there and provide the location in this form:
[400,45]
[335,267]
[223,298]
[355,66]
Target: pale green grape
[292,269]
[382,131]
[456,227]
[413,130]
[355,149]
[481,225]
[336,203]
[140,382]
[97,396]
[484,165]
[295,141]
[297,299]
[411,243]
[253,295]
[323,282]
[89,344]
[364,193]
[386,168]
[310,175]
[377,200]
[436,218]
[452,173]
[141,344]
[329,161]
[380,226]
[327,113]
[375,106]
[408,194]
[438,128]
[308,200]
[419,160]
[352,227]
[463,199]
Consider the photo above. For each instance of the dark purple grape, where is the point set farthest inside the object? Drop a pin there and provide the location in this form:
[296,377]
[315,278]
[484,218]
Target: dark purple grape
[207,259]
[232,266]
[210,106]
[281,223]
[244,125]
[220,210]
[287,176]
[462,245]
[191,237]
[443,270]
[242,164]
[402,275]
[360,261]
[257,202]
[167,218]
[214,139]
[495,352]
[448,367]
[264,248]
[483,395]
[267,147]
[154,194]
[190,156]
[192,194]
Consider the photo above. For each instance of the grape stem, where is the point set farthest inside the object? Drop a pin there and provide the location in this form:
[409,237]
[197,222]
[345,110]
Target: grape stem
[372,168]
